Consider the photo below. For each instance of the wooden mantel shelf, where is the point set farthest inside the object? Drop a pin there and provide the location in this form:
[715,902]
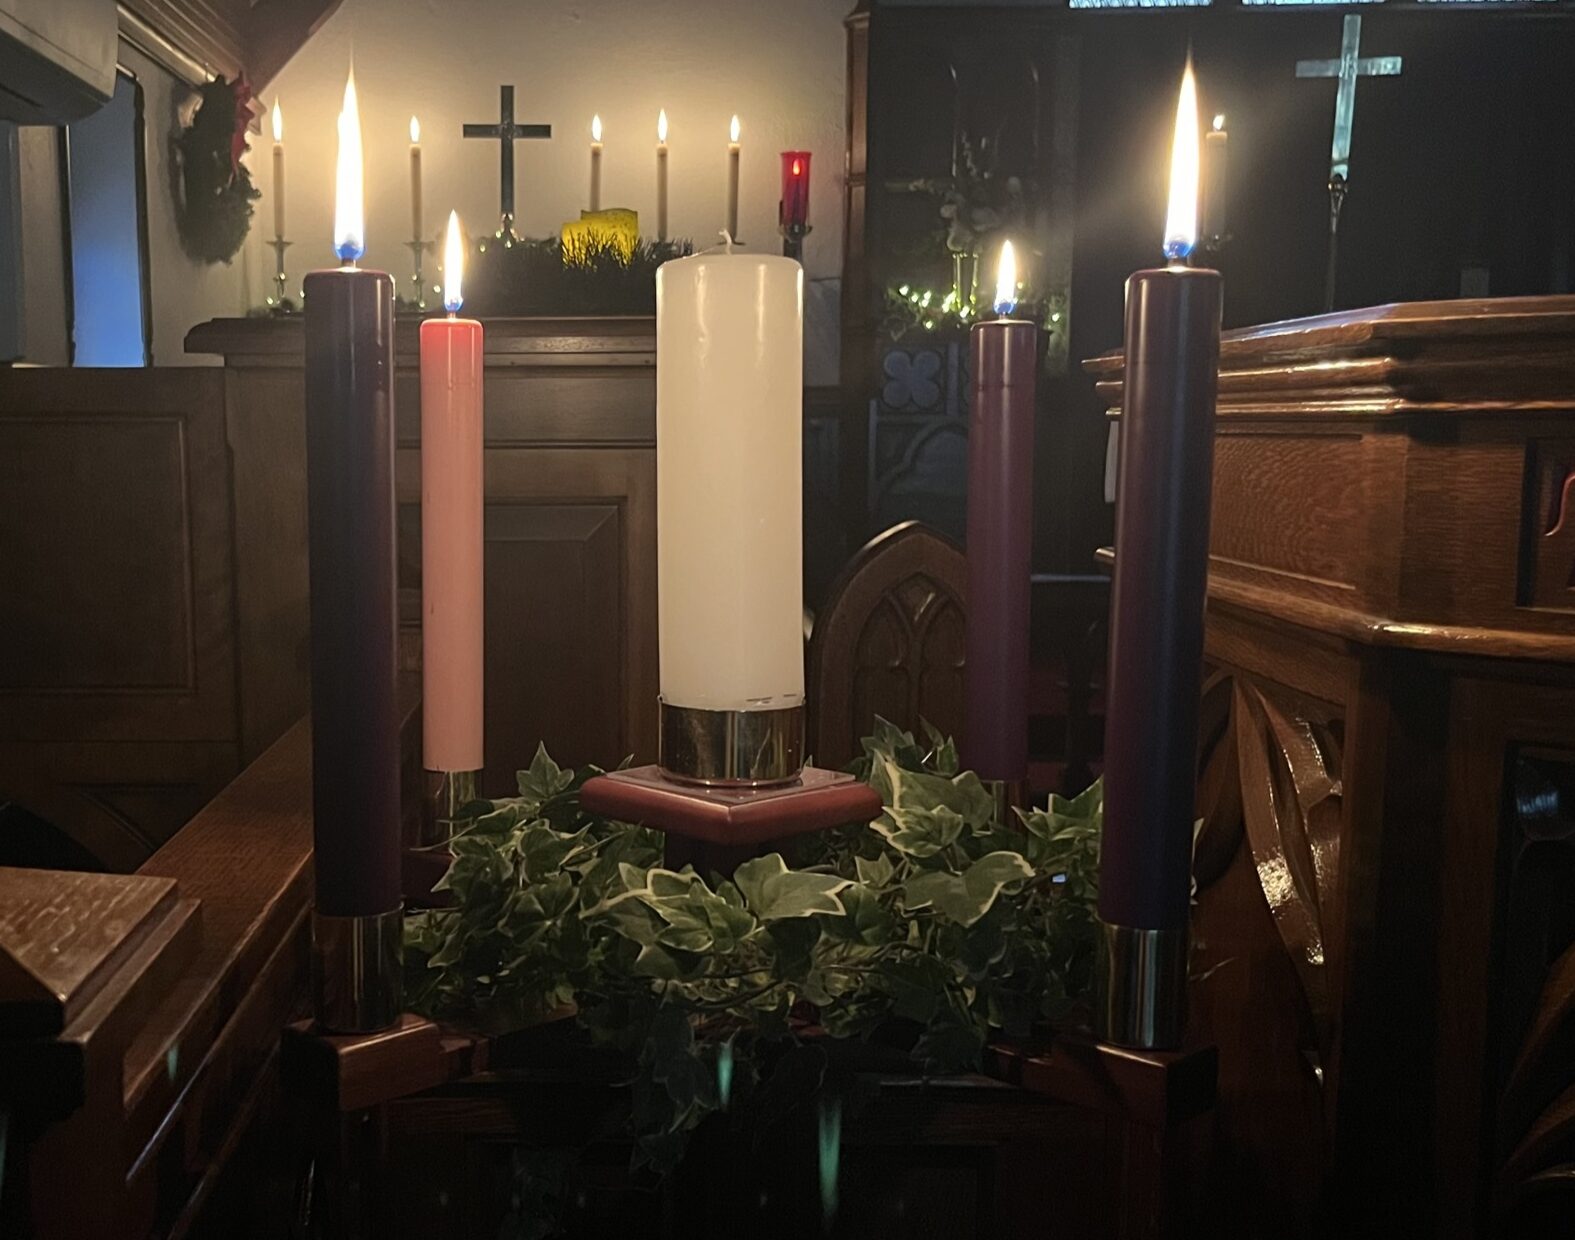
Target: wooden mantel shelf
[1455,358]
[610,341]
[1400,476]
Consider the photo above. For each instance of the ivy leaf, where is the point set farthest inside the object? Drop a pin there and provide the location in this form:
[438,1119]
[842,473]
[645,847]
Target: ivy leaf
[916,985]
[658,962]
[775,892]
[919,832]
[793,944]
[544,779]
[943,750]
[542,852]
[963,794]
[874,873]
[688,938]
[728,923]
[965,898]
[952,1042]
[667,884]
[866,922]
[892,744]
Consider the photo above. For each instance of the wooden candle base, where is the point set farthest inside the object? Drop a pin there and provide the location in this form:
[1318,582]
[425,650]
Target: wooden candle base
[714,829]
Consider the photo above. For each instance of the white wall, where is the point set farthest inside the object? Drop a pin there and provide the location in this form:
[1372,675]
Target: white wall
[780,64]
[184,292]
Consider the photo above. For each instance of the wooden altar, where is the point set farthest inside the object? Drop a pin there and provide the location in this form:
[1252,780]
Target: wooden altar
[1385,914]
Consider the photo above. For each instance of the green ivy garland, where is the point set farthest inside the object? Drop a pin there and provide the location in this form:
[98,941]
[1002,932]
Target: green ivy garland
[936,918]
[215,213]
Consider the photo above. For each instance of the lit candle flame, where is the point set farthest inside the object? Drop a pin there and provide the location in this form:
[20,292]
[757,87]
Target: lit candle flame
[732,130]
[1219,121]
[415,130]
[661,125]
[798,168]
[1006,280]
[1181,219]
[278,123]
[453,265]
[349,234]
[596,129]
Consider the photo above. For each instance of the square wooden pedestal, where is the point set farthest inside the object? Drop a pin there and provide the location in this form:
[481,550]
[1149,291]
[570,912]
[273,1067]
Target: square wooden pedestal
[714,829]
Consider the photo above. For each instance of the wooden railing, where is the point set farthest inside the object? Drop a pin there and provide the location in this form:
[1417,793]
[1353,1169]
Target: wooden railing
[135,1077]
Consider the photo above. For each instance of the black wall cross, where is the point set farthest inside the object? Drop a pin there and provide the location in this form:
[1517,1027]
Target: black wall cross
[507,132]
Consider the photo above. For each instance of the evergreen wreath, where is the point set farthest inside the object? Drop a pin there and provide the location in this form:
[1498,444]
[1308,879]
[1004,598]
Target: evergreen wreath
[217,191]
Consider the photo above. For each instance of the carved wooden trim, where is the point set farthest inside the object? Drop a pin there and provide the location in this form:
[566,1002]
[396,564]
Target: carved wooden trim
[897,611]
[1270,766]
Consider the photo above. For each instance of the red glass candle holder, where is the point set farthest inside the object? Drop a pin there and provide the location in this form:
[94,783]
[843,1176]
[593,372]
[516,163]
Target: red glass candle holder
[795,190]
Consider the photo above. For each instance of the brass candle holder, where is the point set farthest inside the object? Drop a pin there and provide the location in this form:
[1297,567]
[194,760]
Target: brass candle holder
[277,302]
[418,249]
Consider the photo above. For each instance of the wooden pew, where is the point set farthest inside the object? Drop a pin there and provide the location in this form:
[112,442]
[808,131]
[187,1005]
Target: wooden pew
[136,1102]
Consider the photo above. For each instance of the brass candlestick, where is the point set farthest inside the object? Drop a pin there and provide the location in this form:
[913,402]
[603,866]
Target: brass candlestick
[793,240]
[418,249]
[279,245]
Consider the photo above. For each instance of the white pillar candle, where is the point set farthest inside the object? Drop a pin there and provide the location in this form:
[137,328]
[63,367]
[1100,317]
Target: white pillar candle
[729,465]
[596,163]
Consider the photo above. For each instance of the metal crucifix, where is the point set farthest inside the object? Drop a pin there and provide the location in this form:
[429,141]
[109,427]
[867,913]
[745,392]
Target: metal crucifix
[507,132]
[1347,69]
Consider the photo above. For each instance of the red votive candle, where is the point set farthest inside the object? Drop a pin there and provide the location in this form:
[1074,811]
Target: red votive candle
[355,715]
[1000,538]
[1163,487]
[794,208]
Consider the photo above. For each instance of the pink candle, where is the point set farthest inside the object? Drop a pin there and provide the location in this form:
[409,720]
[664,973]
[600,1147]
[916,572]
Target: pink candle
[451,509]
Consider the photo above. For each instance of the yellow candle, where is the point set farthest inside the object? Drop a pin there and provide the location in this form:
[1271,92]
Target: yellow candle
[415,179]
[661,175]
[278,172]
[732,180]
[596,163]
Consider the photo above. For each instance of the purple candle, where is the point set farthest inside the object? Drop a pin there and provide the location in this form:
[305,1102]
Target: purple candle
[1156,642]
[1000,537]
[355,718]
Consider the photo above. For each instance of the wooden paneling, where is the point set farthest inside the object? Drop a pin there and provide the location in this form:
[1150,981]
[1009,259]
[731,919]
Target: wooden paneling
[115,550]
[118,799]
[93,518]
[265,416]
[570,488]
[118,691]
[570,603]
